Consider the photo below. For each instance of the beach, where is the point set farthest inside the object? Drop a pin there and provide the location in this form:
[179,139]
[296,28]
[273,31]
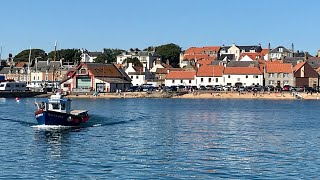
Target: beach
[205,95]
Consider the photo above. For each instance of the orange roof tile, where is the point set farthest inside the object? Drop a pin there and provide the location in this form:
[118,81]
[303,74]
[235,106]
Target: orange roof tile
[242,70]
[181,75]
[278,68]
[264,51]
[166,70]
[198,57]
[200,50]
[253,56]
[299,65]
[204,62]
[21,64]
[207,71]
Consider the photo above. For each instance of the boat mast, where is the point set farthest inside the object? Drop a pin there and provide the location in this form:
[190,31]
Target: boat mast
[28,73]
[54,60]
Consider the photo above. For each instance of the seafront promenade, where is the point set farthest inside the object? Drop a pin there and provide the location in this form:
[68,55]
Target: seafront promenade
[205,95]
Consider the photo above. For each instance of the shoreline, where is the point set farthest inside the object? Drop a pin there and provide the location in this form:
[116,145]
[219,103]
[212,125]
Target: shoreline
[203,95]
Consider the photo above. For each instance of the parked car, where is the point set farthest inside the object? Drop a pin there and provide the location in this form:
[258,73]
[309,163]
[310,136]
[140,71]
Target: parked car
[202,88]
[286,88]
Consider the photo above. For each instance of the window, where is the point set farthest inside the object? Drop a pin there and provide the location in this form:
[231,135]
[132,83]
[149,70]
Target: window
[181,81]
[286,82]
[281,50]
[278,75]
[38,77]
[172,81]
[217,79]
[246,76]
[285,75]
[83,71]
[65,85]
[55,106]
[137,77]
[8,85]
[270,75]
[189,81]
[17,85]
[228,76]
[131,77]
[1,85]
[63,106]
[271,82]
[238,79]
[46,77]
[209,80]
[34,78]
[201,79]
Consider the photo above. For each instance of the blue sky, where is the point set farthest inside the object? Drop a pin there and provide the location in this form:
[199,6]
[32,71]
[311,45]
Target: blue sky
[125,24]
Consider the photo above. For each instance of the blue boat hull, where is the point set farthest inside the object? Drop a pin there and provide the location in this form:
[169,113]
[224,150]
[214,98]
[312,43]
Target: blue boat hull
[57,118]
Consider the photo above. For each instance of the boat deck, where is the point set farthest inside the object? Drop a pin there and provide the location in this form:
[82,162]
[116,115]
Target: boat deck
[77,112]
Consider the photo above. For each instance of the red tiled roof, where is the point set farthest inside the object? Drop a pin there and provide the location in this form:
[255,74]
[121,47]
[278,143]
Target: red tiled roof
[181,75]
[299,65]
[278,67]
[165,70]
[264,51]
[198,57]
[200,50]
[253,56]
[204,62]
[242,70]
[21,64]
[207,71]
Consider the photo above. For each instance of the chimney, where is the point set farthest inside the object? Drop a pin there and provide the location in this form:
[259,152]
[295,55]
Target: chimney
[292,49]
[158,61]
[168,63]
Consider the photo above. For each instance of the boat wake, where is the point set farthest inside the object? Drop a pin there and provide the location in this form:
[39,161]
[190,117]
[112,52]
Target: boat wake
[52,127]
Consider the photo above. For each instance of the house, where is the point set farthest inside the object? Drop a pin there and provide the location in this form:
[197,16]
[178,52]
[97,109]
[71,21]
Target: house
[280,52]
[242,76]
[96,77]
[161,74]
[237,50]
[138,75]
[14,73]
[278,74]
[194,54]
[305,75]
[88,57]
[158,65]
[147,58]
[209,75]
[177,78]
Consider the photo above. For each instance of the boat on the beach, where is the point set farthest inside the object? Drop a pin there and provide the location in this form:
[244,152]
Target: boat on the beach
[57,111]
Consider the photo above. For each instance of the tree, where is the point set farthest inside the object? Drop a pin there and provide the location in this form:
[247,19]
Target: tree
[35,53]
[111,54]
[169,52]
[69,55]
[102,58]
[135,61]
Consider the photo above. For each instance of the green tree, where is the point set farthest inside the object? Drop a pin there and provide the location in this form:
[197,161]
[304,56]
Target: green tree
[135,61]
[169,52]
[102,58]
[35,53]
[111,54]
[69,55]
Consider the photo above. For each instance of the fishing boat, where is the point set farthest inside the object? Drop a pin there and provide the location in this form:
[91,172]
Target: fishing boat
[57,111]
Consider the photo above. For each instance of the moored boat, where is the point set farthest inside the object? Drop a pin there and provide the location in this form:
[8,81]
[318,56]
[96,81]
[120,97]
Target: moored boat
[57,111]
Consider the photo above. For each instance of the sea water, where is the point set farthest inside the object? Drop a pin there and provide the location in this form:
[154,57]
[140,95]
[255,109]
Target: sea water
[165,139]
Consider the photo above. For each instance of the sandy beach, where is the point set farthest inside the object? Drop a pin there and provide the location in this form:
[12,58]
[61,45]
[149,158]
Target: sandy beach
[205,95]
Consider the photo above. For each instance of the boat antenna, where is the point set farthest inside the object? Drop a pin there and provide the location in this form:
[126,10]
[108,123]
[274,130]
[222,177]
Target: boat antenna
[29,78]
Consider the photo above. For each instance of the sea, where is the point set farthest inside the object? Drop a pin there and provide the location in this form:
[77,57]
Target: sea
[164,139]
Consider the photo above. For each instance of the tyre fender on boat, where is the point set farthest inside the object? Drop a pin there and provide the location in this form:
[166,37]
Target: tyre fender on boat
[69,119]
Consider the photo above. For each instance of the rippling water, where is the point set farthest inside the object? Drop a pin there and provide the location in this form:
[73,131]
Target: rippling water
[165,139]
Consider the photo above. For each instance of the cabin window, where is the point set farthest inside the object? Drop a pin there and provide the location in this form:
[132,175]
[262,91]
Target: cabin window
[8,85]
[1,85]
[63,106]
[55,106]
[17,85]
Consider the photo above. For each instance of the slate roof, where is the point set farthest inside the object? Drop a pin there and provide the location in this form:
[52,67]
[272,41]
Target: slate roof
[107,70]
[276,50]
[114,80]
[248,48]
[243,64]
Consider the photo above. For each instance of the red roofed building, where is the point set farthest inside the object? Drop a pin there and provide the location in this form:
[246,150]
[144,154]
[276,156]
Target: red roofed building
[193,54]
[185,78]
[209,75]
[242,76]
[278,74]
[305,75]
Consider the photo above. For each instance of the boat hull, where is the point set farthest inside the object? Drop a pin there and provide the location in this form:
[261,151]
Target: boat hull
[58,118]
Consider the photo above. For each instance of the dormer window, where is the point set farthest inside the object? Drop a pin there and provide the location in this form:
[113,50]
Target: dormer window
[281,50]
[83,71]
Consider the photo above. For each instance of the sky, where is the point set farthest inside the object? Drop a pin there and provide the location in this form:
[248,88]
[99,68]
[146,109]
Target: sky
[125,24]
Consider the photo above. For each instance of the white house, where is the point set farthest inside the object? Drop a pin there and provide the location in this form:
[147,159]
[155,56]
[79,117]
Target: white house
[185,78]
[138,75]
[242,76]
[147,58]
[209,75]
[88,57]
